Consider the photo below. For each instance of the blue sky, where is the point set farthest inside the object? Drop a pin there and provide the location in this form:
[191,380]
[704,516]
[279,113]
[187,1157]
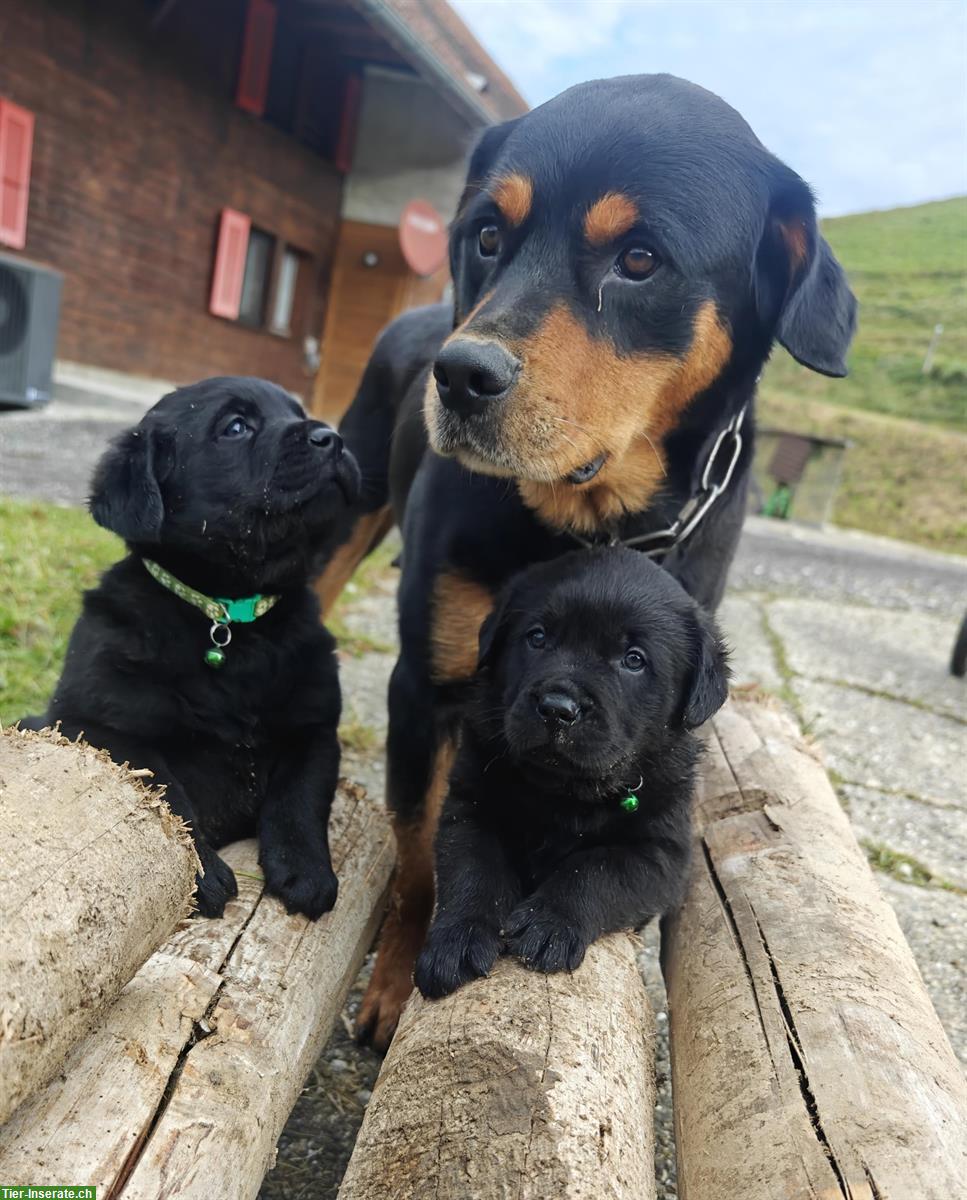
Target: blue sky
[866,99]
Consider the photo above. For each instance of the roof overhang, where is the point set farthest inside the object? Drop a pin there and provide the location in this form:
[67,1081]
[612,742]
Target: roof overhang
[459,93]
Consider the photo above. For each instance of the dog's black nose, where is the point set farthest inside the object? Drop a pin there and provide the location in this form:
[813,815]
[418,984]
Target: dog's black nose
[470,374]
[556,708]
[326,439]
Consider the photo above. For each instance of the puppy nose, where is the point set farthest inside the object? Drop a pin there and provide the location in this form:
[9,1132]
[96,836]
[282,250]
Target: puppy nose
[556,708]
[470,374]
[325,438]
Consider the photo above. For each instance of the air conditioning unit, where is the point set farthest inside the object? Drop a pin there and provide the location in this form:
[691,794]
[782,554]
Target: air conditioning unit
[29,315]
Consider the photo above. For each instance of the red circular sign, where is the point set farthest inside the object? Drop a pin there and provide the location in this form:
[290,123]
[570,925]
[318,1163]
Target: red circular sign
[423,237]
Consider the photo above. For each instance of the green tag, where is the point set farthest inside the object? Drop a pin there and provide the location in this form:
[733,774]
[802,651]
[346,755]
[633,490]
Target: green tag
[243,610]
[630,803]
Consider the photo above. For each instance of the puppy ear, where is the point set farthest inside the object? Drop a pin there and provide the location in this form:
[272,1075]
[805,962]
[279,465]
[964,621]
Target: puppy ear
[481,161]
[125,496]
[708,685]
[801,290]
[490,639]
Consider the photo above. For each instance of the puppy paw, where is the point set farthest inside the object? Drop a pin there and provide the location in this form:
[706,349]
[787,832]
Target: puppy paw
[543,938]
[455,952]
[304,882]
[215,883]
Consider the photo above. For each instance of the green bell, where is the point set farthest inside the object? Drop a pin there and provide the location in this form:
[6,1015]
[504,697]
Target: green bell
[215,657]
[630,803]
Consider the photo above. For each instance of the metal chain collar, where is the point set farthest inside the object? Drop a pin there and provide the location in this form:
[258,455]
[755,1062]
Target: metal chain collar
[724,454]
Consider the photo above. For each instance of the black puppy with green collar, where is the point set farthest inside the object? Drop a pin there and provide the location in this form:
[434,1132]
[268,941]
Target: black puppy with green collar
[200,654]
[567,814]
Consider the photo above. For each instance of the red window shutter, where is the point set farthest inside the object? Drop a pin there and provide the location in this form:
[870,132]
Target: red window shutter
[256,62]
[346,142]
[226,296]
[16,147]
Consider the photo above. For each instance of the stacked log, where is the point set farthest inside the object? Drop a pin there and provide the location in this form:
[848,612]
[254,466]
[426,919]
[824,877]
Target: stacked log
[807,1058]
[95,872]
[184,1086]
[518,1085]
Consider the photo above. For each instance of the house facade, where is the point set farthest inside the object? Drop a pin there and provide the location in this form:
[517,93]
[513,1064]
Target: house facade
[221,183]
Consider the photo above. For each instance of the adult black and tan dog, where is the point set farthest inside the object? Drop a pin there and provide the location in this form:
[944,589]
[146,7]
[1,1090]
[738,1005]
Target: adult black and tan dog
[226,496]
[624,258]
[567,814]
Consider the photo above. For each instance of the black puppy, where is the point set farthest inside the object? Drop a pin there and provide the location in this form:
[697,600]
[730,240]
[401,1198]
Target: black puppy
[200,655]
[568,810]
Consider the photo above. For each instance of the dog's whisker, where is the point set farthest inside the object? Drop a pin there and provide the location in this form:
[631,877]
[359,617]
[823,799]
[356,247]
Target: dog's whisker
[493,760]
[654,451]
[568,421]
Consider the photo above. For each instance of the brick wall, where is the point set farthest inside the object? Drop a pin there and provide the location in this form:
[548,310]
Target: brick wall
[137,148]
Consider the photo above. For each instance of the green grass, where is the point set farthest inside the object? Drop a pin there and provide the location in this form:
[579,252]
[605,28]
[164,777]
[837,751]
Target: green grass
[48,556]
[900,479]
[358,737]
[374,570]
[906,474]
[904,867]
[908,268]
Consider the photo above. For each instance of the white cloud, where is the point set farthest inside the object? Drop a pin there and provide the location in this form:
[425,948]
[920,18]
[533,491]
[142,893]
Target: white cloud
[865,98]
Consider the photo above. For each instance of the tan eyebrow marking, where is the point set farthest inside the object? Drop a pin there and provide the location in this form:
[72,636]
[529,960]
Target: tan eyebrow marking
[514,195]
[608,218]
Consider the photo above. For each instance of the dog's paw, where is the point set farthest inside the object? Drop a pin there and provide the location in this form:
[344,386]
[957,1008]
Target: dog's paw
[216,883]
[543,938]
[379,1012]
[455,952]
[304,882]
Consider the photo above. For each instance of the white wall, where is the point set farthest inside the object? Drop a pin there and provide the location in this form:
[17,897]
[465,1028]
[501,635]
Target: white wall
[409,145]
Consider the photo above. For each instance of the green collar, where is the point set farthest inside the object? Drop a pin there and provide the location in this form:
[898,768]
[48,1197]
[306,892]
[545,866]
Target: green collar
[219,609]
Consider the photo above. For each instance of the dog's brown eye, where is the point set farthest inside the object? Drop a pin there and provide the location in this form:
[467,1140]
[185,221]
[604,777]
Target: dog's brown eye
[634,660]
[536,638]
[236,428]
[489,241]
[637,262]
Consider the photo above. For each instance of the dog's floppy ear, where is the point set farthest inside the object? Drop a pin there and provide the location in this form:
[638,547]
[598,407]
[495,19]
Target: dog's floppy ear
[125,496]
[708,682]
[801,290]
[481,160]
[490,639]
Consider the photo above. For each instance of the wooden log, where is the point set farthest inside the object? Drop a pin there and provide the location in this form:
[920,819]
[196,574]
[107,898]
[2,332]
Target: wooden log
[95,872]
[185,1087]
[807,1060]
[519,1085]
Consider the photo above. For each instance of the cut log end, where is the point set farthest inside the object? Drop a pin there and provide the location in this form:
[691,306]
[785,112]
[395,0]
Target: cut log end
[185,1083]
[95,872]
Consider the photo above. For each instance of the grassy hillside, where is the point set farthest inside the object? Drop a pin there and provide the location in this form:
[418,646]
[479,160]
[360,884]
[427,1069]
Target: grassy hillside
[908,268]
[906,473]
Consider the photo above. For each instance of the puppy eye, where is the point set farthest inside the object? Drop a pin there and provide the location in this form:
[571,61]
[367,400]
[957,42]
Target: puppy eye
[488,241]
[536,638]
[633,660]
[236,428]
[637,262]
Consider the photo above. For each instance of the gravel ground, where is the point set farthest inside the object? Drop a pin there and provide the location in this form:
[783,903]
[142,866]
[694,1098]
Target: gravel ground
[853,632]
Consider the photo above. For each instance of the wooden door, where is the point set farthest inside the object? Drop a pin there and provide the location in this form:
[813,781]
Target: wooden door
[362,300]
